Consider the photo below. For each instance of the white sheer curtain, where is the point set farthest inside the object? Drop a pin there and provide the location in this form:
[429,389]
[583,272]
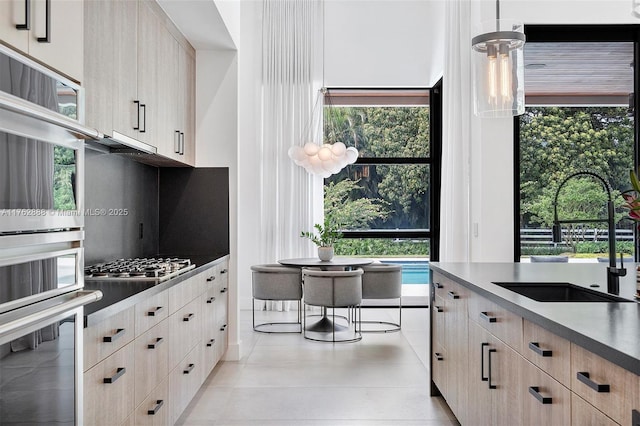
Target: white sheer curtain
[456,134]
[291,61]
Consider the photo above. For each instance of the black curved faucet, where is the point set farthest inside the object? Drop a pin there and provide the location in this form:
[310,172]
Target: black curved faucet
[613,272]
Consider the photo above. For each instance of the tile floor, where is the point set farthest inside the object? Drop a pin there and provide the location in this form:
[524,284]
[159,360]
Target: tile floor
[287,380]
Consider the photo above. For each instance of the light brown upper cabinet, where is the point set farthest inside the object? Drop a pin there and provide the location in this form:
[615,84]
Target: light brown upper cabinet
[50,31]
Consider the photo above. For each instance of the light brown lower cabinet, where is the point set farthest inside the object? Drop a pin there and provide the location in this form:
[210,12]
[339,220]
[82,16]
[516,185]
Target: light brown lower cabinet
[152,360]
[154,410]
[583,413]
[546,401]
[184,382]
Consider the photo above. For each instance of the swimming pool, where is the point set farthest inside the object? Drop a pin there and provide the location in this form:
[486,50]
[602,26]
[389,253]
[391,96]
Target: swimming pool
[413,271]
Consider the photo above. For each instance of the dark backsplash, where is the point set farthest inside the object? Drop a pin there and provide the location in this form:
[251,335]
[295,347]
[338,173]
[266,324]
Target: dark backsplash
[113,184]
[182,211]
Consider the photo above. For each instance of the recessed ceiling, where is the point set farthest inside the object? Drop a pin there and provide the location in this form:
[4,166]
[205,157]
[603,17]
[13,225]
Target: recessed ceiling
[578,73]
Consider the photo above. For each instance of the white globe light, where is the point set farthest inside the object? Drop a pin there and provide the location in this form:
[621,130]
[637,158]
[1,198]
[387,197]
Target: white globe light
[314,160]
[328,165]
[336,167]
[338,149]
[317,169]
[352,155]
[324,153]
[311,148]
[299,154]
[292,152]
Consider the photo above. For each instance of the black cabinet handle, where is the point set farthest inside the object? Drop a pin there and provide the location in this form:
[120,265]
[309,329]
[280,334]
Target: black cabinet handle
[144,118]
[181,138]
[156,408]
[490,385]
[188,369]
[189,317]
[156,311]
[224,271]
[156,343]
[223,327]
[453,295]
[211,342]
[484,379]
[115,336]
[137,126]
[438,308]
[119,373]
[27,17]
[485,316]
[583,376]
[211,279]
[224,290]
[438,356]
[47,24]
[438,285]
[211,300]
[535,346]
[635,418]
[535,391]
[176,142]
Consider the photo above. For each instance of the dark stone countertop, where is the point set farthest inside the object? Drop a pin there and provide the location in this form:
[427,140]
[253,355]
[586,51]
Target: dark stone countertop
[118,295]
[610,330]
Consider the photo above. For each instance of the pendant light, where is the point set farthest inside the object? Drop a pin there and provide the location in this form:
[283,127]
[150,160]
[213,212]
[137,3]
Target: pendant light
[498,68]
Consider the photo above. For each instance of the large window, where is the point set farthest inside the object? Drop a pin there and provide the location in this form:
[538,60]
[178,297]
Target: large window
[580,115]
[388,201]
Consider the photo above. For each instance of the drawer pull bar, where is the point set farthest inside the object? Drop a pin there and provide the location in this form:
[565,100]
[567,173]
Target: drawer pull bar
[188,317]
[156,311]
[438,285]
[484,379]
[188,369]
[535,346]
[155,344]
[223,327]
[439,356]
[154,410]
[224,290]
[211,342]
[224,271]
[485,316]
[119,373]
[438,308]
[583,376]
[118,334]
[453,295]
[211,300]
[47,23]
[490,385]
[211,279]
[27,17]
[137,126]
[535,391]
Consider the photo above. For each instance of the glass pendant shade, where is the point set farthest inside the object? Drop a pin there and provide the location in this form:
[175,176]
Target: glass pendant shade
[498,69]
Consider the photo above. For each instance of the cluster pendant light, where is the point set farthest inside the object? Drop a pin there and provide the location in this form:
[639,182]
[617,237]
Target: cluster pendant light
[499,68]
[322,159]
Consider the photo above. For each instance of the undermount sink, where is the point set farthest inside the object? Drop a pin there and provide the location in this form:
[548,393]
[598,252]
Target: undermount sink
[559,292]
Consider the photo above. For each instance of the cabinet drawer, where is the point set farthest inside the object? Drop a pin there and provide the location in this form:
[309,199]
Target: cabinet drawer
[500,322]
[603,384]
[184,292]
[184,331]
[184,382]
[211,278]
[546,401]
[106,337]
[151,312]
[154,410]
[152,359]
[548,351]
[440,285]
[438,316]
[583,413]
[108,387]
[222,340]
[439,368]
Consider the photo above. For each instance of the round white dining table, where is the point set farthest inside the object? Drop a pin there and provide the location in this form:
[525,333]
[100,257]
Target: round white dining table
[325,325]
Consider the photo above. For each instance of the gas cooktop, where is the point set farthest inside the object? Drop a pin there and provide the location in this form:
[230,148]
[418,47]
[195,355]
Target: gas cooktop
[138,269]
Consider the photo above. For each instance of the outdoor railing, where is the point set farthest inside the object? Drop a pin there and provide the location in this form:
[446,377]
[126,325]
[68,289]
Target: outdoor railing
[544,237]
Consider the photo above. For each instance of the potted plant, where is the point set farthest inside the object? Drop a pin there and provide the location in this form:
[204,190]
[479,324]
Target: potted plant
[324,237]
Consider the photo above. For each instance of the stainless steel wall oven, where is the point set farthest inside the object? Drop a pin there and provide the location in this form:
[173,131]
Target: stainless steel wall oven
[41,243]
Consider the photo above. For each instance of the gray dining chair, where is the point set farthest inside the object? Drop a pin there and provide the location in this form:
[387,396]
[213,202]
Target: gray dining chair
[274,282]
[382,281]
[334,289]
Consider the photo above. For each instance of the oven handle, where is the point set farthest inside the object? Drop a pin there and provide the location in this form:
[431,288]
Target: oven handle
[12,329]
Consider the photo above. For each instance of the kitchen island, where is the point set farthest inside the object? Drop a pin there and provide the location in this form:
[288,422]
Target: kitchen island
[481,329]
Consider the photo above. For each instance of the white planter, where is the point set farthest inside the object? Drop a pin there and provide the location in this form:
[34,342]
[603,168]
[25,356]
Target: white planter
[325,253]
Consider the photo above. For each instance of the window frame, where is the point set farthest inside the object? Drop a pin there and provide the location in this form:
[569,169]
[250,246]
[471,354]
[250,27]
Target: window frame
[390,96]
[577,33]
